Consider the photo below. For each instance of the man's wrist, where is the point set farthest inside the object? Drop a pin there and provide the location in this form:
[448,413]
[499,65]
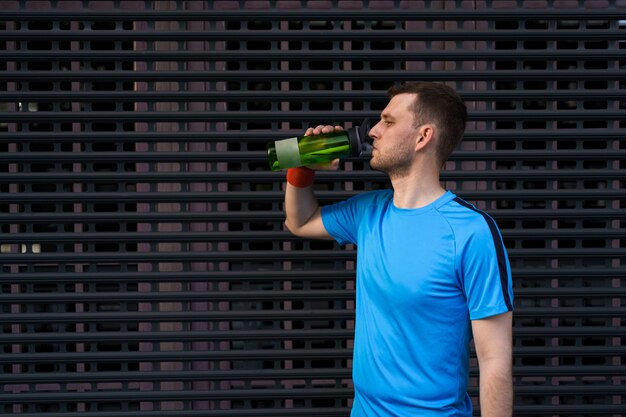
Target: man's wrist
[301,177]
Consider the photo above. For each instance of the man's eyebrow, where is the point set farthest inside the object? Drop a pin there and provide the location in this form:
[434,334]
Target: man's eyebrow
[387,116]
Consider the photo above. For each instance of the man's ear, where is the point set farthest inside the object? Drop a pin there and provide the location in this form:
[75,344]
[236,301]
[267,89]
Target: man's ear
[426,134]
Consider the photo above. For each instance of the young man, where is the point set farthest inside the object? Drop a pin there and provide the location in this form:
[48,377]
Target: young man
[432,271]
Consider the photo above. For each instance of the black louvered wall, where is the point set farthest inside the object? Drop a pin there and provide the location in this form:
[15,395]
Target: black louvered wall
[145,267]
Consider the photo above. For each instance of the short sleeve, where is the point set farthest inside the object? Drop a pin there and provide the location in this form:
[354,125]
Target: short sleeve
[485,269]
[340,220]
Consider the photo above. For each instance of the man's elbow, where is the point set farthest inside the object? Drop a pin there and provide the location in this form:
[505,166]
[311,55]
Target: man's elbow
[307,230]
[293,228]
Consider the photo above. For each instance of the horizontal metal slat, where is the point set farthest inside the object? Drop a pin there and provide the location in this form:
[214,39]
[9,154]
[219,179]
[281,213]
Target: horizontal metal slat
[267,176]
[566,274]
[314,373]
[77,258]
[551,214]
[178,217]
[206,257]
[273,295]
[586,370]
[562,273]
[196,355]
[255,412]
[236,375]
[191,355]
[280,315]
[566,292]
[181,336]
[188,375]
[548,352]
[281,335]
[234,156]
[525,371]
[524,410]
[183,276]
[249,216]
[314,95]
[187,316]
[331,14]
[569,312]
[180,296]
[198,394]
[572,135]
[278,196]
[337,35]
[180,116]
[254,236]
[550,54]
[550,234]
[315,75]
[247,156]
[101,237]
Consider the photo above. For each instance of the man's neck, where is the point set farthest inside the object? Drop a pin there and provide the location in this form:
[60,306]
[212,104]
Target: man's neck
[416,189]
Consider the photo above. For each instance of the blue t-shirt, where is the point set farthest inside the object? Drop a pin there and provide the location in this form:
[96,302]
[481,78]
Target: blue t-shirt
[422,275]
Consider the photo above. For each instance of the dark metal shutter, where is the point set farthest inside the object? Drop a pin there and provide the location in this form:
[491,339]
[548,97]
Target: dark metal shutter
[145,268]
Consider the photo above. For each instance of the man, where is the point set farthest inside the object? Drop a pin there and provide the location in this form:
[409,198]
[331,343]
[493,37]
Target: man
[432,271]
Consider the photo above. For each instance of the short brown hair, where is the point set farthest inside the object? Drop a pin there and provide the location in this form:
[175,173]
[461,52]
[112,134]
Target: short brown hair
[439,104]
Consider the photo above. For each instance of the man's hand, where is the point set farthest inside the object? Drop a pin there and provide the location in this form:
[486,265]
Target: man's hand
[318,130]
[303,213]
[332,165]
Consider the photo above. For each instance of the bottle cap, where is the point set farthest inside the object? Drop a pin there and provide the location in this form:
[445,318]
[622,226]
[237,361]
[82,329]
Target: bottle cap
[360,142]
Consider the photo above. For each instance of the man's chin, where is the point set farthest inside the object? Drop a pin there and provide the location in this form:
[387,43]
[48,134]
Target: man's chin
[376,166]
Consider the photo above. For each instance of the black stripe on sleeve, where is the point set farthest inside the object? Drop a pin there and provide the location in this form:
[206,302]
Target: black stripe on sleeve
[497,240]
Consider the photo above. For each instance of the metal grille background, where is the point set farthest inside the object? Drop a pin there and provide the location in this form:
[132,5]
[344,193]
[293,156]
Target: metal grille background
[145,267]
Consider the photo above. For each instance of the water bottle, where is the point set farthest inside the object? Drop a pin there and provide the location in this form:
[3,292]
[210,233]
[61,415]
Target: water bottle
[319,149]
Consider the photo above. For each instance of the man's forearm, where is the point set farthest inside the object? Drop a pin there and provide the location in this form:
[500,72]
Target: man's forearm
[303,215]
[300,205]
[496,390]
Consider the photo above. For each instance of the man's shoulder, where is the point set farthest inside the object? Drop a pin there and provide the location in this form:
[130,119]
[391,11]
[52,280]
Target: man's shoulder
[470,223]
[462,215]
[379,195]
[374,197]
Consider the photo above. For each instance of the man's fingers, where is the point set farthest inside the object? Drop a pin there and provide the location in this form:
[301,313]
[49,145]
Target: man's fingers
[318,130]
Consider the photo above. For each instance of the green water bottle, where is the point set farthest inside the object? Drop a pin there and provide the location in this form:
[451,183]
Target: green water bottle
[318,149]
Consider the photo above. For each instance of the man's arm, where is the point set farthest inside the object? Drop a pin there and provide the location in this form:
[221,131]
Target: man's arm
[493,341]
[303,212]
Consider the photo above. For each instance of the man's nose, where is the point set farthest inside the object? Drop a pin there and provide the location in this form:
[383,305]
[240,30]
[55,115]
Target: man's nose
[373,133]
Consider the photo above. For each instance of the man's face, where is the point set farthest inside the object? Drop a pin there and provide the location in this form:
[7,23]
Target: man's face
[394,137]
